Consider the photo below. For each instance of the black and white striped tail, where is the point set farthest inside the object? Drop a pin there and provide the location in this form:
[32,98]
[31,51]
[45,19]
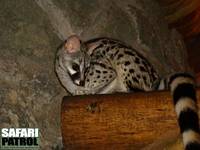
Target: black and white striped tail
[182,87]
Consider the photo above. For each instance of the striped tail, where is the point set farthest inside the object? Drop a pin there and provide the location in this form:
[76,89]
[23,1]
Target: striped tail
[182,87]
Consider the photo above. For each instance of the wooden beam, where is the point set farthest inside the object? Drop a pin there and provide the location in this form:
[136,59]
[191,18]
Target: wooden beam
[117,121]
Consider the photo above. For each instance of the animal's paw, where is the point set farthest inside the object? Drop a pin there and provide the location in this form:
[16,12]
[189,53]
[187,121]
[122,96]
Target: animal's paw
[81,92]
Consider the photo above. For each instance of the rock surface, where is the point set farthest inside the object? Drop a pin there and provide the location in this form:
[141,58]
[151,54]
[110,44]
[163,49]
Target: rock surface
[31,31]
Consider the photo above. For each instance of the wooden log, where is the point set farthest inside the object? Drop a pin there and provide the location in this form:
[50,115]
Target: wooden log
[117,121]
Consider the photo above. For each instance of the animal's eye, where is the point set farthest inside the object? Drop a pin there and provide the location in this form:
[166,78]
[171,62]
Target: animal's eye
[75,67]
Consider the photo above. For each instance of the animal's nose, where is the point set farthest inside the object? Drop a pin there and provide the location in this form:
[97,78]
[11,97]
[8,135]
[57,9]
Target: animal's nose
[81,83]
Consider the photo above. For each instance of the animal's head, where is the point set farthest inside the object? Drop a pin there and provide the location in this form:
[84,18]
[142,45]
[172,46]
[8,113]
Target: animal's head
[75,58]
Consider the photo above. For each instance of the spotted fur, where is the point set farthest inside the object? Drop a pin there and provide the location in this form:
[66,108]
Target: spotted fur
[121,64]
[116,67]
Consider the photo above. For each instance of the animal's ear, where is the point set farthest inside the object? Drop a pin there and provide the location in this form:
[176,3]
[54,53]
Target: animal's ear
[72,44]
[91,47]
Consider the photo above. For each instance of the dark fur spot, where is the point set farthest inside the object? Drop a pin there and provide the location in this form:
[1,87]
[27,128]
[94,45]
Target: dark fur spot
[98,71]
[100,46]
[144,63]
[112,42]
[129,53]
[127,63]
[112,47]
[105,71]
[102,65]
[116,52]
[91,73]
[142,68]
[128,83]
[153,73]
[137,60]
[144,78]
[120,56]
[138,76]
[131,70]
[98,76]
[135,79]
[107,49]
[105,42]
